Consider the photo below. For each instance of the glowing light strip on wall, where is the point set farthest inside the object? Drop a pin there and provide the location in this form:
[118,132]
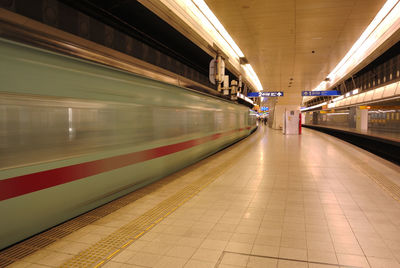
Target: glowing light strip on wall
[202,6]
[385,23]
[197,15]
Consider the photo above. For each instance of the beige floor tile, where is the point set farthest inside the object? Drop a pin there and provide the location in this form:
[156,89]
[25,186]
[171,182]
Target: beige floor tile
[320,246]
[230,266]
[235,259]
[150,236]
[258,262]
[322,256]
[239,247]
[209,255]
[263,250]
[216,235]
[157,248]
[144,259]
[317,265]
[319,237]
[293,253]
[344,248]
[190,242]
[291,264]
[293,243]
[112,264]
[243,238]
[170,262]
[55,259]
[124,256]
[383,263]
[247,228]
[379,252]
[214,244]
[181,251]
[199,264]
[352,260]
[268,240]
[270,232]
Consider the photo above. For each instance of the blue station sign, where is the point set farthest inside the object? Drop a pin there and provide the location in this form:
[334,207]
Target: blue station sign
[321,93]
[265,94]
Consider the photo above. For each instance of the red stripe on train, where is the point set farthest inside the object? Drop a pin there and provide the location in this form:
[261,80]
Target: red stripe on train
[16,186]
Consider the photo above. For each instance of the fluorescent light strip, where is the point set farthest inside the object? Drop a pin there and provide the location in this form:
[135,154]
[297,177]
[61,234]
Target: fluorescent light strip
[336,113]
[198,16]
[386,21]
[313,107]
[202,6]
[207,13]
[250,72]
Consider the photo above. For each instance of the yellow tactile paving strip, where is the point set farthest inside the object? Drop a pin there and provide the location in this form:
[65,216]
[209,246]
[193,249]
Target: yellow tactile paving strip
[390,187]
[104,250]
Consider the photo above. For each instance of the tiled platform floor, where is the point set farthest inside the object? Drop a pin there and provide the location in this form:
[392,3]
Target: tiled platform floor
[289,201]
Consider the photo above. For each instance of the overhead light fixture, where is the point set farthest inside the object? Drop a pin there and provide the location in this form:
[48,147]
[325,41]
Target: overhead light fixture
[303,109]
[198,16]
[385,23]
[250,72]
[338,98]
[202,6]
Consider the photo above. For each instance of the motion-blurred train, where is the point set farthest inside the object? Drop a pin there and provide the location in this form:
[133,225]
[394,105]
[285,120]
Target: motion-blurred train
[75,134]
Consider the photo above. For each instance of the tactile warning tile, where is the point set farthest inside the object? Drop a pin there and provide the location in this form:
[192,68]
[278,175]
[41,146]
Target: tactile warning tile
[390,187]
[102,251]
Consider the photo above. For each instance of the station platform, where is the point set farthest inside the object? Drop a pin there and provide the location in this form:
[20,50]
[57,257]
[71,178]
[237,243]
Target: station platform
[269,200]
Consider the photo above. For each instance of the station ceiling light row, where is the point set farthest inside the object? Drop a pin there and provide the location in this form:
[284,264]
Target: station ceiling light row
[200,18]
[384,25]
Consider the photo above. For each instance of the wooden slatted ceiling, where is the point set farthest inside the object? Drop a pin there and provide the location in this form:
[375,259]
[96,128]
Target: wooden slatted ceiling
[278,37]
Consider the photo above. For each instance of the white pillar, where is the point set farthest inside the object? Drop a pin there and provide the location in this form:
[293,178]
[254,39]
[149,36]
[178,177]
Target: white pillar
[362,119]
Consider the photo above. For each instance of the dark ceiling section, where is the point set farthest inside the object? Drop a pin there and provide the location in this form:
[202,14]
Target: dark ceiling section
[137,21]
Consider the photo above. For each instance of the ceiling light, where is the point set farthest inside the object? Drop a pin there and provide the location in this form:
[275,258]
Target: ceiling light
[384,25]
[198,16]
[253,76]
[217,25]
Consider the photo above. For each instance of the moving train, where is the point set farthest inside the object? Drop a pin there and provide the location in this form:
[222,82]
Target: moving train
[75,134]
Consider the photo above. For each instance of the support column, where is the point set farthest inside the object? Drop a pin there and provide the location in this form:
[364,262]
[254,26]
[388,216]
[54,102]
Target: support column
[362,119]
